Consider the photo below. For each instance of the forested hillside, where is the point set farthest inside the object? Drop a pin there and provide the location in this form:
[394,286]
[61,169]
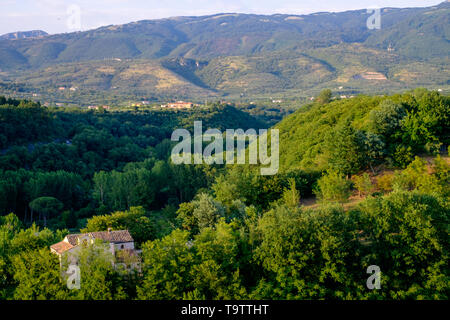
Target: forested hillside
[363,181]
[356,134]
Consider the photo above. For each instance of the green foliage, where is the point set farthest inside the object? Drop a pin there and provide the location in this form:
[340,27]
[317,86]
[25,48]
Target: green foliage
[425,127]
[363,184]
[23,121]
[324,96]
[372,147]
[245,184]
[98,163]
[344,149]
[64,186]
[38,276]
[441,170]
[386,118]
[304,254]
[291,196]
[416,177]
[47,206]
[214,232]
[122,190]
[98,278]
[207,211]
[384,182]
[333,186]
[363,132]
[27,269]
[216,273]
[407,237]
[201,213]
[166,265]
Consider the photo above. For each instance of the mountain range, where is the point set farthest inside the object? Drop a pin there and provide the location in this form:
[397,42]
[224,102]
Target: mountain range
[234,55]
[23,35]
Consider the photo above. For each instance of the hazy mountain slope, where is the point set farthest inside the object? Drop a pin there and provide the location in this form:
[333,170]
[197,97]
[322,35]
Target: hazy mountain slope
[423,36]
[236,55]
[354,62]
[233,34]
[141,77]
[23,35]
[264,73]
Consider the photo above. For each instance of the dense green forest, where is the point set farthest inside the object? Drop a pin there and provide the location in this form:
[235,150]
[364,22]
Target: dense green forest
[362,181]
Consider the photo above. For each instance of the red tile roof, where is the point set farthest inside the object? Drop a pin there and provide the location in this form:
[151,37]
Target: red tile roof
[117,236]
[61,247]
[113,236]
[109,236]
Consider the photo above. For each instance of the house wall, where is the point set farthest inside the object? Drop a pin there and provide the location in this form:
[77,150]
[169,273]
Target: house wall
[126,245]
[71,255]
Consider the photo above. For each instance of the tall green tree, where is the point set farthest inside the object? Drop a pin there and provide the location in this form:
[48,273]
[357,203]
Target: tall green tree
[38,277]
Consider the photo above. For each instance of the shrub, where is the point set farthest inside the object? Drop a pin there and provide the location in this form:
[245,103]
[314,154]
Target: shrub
[363,184]
[333,186]
[384,182]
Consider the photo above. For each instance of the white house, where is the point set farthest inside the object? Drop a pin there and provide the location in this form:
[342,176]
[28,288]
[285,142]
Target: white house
[119,240]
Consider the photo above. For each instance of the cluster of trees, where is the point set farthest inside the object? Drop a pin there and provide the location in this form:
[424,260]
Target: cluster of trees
[393,132]
[80,163]
[333,186]
[222,250]
[22,121]
[270,112]
[351,135]
[226,232]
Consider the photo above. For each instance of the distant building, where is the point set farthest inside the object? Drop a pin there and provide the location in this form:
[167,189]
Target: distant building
[97,107]
[120,243]
[178,105]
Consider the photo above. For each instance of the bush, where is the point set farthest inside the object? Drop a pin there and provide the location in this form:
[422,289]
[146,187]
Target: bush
[384,182]
[403,155]
[363,184]
[333,187]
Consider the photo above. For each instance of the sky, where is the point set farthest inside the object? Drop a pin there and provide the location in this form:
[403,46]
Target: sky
[58,16]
